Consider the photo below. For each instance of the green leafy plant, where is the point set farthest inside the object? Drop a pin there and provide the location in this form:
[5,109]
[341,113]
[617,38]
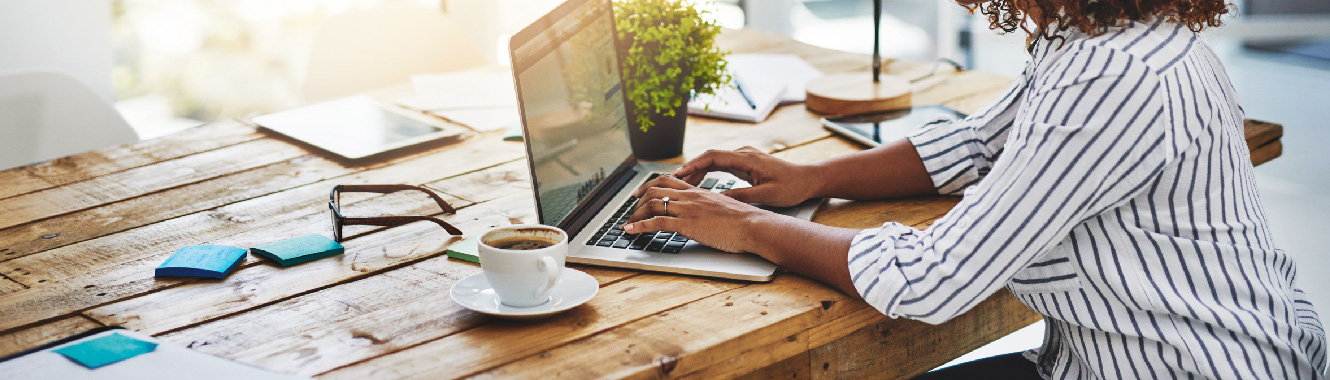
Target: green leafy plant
[668,52]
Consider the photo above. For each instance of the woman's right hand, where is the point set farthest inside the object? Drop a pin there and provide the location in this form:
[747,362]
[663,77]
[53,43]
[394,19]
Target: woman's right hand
[776,182]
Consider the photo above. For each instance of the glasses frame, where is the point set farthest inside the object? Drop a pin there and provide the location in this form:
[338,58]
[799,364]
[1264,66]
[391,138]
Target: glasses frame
[339,220]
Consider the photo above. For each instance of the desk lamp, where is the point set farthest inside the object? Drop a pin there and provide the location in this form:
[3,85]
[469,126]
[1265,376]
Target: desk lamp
[851,93]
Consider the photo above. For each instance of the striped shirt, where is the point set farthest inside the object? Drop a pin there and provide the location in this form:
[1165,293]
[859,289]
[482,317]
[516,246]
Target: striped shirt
[1110,190]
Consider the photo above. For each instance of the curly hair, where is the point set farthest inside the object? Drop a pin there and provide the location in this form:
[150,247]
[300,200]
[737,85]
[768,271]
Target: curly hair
[1093,17]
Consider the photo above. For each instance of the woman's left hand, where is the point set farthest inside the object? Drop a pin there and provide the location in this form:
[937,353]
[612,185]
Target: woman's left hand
[713,219]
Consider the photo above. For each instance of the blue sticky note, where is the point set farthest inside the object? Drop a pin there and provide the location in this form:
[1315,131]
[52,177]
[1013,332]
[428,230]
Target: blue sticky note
[298,250]
[106,349]
[212,261]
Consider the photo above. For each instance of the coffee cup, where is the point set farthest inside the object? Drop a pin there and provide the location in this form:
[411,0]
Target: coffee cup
[523,262]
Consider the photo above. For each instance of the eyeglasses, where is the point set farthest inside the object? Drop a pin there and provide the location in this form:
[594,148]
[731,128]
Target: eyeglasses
[339,220]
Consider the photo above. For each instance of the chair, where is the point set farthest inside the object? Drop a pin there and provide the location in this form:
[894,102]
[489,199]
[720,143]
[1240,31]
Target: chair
[47,114]
[360,51]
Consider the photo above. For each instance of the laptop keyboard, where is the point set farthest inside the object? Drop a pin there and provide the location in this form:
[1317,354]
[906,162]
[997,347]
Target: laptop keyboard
[611,236]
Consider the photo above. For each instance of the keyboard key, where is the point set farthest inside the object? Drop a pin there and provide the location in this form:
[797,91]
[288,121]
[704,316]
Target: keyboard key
[658,241]
[679,238]
[621,244]
[614,232]
[605,243]
[708,183]
[591,241]
[636,245]
[655,248]
[669,249]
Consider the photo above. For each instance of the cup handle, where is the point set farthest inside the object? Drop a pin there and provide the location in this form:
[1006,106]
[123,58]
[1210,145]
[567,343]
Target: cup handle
[548,266]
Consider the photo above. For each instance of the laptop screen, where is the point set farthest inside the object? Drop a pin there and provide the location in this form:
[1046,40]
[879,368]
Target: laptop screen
[572,104]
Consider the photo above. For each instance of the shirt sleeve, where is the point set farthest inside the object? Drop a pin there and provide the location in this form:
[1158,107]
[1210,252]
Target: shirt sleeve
[958,154]
[1088,138]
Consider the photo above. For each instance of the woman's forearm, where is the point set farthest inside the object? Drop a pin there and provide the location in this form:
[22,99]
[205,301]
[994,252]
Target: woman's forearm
[810,249]
[892,170]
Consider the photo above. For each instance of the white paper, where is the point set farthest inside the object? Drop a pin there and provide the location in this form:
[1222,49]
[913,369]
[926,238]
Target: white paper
[787,69]
[167,362]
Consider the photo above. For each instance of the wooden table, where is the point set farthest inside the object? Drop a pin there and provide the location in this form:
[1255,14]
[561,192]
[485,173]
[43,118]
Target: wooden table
[80,236]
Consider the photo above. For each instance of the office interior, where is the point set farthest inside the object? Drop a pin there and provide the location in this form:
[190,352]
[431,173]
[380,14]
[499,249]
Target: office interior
[167,65]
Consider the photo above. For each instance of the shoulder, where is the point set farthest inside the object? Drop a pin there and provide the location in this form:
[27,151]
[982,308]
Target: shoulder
[1155,45]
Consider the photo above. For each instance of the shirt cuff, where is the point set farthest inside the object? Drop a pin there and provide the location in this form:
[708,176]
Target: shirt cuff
[948,151]
[872,259]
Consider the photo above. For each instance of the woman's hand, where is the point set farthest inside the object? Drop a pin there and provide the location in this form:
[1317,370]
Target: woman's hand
[715,220]
[776,182]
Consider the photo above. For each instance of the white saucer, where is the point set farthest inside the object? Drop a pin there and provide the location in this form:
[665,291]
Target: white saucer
[574,288]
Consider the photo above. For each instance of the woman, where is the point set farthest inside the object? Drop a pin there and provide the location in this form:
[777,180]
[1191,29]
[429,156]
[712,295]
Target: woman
[1110,189]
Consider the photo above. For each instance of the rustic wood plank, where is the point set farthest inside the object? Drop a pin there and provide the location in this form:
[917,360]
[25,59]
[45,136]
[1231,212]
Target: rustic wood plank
[1264,154]
[899,349]
[757,359]
[256,285]
[19,341]
[111,268]
[8,286]
[1259,133]
[143,180]
[83,166]
[115,217]
[688,338]
[391,320]
[795,367]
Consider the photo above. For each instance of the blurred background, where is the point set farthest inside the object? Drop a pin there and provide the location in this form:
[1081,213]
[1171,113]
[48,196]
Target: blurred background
[173,64]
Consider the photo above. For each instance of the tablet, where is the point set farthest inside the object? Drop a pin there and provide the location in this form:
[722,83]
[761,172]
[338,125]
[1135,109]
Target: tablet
[873,129]
[358,126]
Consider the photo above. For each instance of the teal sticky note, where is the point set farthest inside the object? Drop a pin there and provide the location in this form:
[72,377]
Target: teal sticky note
[106,349]
[514,133]
[299,250]
[465,250]
[212,261]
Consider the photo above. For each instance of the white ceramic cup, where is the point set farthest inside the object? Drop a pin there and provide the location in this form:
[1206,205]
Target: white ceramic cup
[523,277]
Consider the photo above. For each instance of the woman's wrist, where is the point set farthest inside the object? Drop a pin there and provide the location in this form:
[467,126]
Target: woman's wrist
[815,179]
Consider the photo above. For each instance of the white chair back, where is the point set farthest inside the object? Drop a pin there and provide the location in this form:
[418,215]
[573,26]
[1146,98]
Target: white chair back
[365,50]
[48,114]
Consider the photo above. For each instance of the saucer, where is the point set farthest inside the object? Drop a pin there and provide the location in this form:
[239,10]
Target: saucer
[573,288]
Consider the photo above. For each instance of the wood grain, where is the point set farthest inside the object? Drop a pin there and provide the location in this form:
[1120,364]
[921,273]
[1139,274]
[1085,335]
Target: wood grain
[1260,133]
[106,269]
[8,286]
[83,166]
[257,285]
[414,319]
[22,340]
[689,338]
[1268,152]
[142,180]
[112,218]
[899,349]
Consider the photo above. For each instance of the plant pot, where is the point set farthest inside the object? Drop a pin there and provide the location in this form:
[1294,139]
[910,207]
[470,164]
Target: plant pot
[664,140]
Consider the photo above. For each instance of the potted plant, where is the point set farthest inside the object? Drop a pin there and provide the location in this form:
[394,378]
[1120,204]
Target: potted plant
[668,53]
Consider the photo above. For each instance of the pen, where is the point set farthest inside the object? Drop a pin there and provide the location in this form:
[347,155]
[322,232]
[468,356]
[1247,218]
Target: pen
[739,86]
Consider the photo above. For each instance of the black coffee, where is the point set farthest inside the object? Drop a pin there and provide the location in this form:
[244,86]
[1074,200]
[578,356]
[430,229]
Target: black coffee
[520,244]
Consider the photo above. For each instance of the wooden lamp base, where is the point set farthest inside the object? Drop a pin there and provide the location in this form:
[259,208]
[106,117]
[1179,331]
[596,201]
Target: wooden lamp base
[855,93]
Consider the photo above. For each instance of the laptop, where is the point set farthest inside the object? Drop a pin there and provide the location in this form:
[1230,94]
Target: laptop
[574,121]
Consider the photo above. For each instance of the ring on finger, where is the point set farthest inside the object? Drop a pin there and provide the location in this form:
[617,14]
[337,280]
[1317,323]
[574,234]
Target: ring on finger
[666,209]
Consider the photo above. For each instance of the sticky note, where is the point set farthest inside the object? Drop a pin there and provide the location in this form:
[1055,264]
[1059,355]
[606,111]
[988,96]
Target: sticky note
[465,250]
[299,250]
[212,261]
[106,349]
